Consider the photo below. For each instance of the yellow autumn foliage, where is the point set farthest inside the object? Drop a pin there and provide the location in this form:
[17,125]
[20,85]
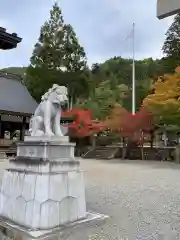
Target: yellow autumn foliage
[165,100]
[113,121]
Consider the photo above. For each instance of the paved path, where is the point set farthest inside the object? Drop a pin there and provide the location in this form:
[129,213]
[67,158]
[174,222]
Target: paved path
[141,198]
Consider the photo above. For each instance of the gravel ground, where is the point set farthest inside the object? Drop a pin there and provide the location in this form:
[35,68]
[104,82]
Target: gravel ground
[141,198]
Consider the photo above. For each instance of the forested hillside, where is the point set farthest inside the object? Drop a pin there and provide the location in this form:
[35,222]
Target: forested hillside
[118,72]
[110,82]
[15,70]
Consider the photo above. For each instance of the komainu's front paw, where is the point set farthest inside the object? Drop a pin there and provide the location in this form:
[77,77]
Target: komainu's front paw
[59,134]
[50,134]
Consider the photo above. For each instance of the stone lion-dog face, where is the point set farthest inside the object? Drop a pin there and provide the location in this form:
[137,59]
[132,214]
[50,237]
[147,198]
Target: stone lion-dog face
[47,116]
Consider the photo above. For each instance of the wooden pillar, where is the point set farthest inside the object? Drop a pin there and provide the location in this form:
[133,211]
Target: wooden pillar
[23,128]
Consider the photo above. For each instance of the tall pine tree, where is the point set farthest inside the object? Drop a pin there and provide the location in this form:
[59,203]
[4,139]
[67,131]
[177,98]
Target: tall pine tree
[57,58]
[171,47]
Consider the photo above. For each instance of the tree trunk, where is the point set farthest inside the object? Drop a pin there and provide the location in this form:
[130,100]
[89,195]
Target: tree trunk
[151,138]
[124,149]
[93,142]
[142,152]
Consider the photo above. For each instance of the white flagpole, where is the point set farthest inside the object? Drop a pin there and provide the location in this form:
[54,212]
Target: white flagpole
[133,77]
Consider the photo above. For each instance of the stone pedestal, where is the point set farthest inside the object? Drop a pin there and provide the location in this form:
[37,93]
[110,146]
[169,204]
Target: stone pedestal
[43,187]
[12,231]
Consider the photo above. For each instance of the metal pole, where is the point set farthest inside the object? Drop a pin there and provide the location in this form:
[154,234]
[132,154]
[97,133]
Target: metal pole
[133,78]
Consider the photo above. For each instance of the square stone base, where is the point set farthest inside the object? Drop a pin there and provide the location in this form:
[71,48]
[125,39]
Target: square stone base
[42,200]
[45,150]
[63,139]
[15,231]
[50,167]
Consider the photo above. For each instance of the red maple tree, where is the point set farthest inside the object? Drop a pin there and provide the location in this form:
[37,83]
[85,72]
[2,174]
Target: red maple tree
[83,124]
[134,127]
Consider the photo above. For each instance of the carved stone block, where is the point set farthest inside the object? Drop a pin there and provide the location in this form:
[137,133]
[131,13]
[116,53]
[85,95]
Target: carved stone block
[62,139]
[45,167]
[46,150]
[42,200]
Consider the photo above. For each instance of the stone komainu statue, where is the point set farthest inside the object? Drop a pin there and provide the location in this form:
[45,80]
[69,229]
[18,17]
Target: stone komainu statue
[47,116]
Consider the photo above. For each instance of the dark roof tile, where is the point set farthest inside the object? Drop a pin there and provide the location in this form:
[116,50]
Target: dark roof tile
[14,96]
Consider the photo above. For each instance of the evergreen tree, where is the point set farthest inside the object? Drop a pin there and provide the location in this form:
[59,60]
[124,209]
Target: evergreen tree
[171,47]
[57,58]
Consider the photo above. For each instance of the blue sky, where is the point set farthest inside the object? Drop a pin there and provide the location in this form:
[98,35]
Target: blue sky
[101,26]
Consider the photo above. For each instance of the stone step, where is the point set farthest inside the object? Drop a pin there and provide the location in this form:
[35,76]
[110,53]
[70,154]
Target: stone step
[106,153]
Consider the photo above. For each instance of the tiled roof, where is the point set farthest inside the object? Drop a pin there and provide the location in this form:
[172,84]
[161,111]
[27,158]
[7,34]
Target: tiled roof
[8,40]
[14,96]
